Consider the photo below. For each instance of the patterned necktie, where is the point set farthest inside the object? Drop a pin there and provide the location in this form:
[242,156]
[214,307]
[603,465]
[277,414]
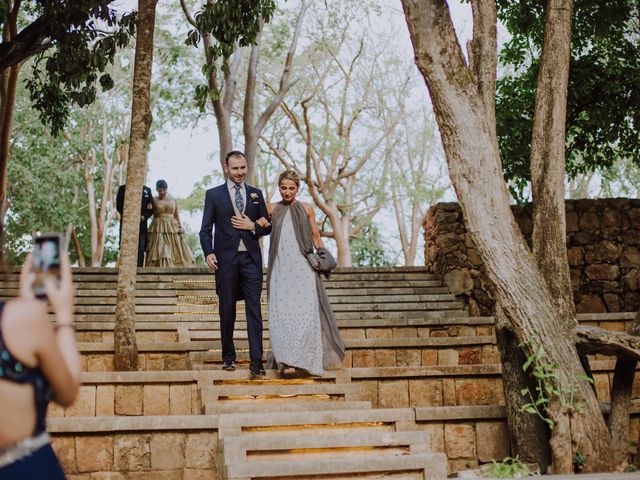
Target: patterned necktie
[238,199]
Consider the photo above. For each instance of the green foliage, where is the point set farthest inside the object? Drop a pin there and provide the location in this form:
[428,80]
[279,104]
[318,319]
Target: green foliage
[548,385]
[229,22]
[367,249]
[84,37]
[603,103]
[510,467]
[579,461]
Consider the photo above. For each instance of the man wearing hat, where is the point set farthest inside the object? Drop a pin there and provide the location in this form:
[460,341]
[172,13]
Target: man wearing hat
[147,208]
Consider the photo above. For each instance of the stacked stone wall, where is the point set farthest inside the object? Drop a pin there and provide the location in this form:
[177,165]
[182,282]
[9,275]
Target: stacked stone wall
[603,246]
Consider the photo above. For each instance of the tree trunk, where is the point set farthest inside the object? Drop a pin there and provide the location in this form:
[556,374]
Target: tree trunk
[476,174]
[78,246]
[125,347]
[528,433]
[8,88]
[548,158]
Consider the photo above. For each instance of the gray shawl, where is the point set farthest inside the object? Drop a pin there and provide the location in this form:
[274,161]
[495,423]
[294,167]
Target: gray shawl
[331,339]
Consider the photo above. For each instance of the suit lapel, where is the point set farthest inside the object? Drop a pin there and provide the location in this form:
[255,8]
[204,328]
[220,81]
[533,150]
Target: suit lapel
[226,200]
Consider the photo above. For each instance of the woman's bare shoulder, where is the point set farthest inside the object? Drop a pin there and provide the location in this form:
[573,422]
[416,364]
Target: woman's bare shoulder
[27,310]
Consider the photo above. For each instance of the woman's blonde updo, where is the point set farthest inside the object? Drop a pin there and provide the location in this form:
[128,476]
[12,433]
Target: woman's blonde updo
[290,174]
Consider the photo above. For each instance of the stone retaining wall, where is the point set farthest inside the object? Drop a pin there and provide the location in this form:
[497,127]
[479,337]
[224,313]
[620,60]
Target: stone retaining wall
[603,241]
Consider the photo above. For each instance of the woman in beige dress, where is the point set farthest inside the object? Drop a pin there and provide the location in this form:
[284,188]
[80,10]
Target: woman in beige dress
[166,246]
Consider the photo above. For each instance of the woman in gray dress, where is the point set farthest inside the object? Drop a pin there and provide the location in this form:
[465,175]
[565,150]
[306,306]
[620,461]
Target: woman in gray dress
[302,329]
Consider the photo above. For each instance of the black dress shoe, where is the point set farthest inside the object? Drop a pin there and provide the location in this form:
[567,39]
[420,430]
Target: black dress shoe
[257,368]
[229,366]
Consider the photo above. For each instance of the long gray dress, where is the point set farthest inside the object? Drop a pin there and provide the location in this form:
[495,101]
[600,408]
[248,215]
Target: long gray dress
[293,300]
[294,319]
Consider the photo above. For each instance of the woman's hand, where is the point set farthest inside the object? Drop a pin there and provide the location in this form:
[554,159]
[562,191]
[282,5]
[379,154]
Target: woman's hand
[60,295]
[263,222]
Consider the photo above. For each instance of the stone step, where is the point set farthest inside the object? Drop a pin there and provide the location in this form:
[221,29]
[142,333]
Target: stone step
[429,466]
[397,419]
[282,405]
[258,390]
[344,299]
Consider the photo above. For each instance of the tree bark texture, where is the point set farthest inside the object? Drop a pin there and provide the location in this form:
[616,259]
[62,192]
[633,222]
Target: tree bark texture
[125,347]
[528,434]
[476,174]
[548,158]
[8,88]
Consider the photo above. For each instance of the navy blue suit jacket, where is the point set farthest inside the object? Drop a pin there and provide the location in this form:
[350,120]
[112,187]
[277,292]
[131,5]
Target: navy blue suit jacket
[218,211]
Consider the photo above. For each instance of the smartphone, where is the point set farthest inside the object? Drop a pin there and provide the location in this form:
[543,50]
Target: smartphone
[46,260]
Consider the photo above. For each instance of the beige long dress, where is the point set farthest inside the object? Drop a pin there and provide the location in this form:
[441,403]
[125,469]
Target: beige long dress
[166,246]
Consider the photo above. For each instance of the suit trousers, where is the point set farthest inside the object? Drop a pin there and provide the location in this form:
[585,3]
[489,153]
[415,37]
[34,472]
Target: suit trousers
[245,277]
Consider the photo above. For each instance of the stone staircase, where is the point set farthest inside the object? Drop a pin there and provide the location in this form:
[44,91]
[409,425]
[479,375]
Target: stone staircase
[421,380]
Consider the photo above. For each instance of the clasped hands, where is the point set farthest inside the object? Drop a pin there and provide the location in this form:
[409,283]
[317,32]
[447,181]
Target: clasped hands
[242,222]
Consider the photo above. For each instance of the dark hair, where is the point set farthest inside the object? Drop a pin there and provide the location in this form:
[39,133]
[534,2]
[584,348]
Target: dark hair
[233,153]
[161,184]
[290,174]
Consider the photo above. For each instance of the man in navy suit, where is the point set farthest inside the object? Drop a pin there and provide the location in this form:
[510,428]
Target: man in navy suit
[233,253]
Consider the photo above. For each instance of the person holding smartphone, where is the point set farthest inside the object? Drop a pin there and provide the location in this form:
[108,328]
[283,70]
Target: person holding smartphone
[39,361]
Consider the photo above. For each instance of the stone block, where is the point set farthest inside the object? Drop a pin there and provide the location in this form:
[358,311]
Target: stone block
[459,441]
[65,448]
[590,222]
[603,389]
[55,410]
[484,331]
[167,451]
[461,464]
[590,304]
[408,357]
[612,301]
[630,237]
[155,399]
[128,400]
[458,280]
[84,404]
[132,453]
[352,333]
[385,357]
[393,393]
[490,354]
[429,357]
[363,358]
[161,337]
[200,450]
[424,332]
[369,391]
[483,391]
[176,361]
[448,357]
[155,361]
[449,391]
[601,271]
[379,333]
[425,393]
[632,279]
[572,222]
[99,363]
[105,400]
[156,475]
[145,337]
[404,332]
[94,453]
[180,399]
[199,474]
[470,356]
[630,257]
[435,433]
[108,476]
[492,441]
[439,332]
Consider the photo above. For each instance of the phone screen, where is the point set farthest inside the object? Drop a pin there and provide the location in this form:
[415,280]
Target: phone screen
[46,260]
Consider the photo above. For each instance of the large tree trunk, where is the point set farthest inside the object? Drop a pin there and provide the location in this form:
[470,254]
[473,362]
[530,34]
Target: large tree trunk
[125,347]
[548,158]
[8,88]
[476,174]
[547,182]
[528,433]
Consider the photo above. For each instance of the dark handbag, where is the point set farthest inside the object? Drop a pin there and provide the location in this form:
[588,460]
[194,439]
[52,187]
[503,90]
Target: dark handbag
[322,261]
